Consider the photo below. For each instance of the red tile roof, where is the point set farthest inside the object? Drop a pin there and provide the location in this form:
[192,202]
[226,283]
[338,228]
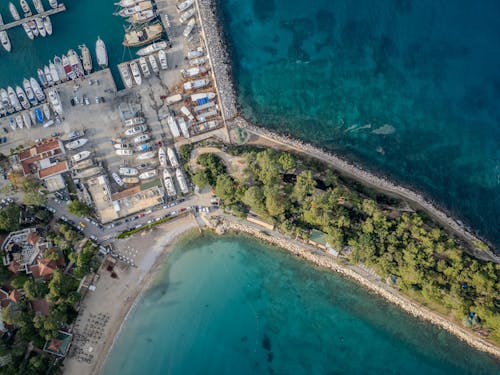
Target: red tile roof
[44,269]
[33,238]
[39,151]
[40,306]
[53,170]
[15,296]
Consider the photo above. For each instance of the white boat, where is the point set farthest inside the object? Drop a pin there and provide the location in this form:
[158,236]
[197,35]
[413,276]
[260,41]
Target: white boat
[148,174]
[121,146]
[14,12]
[162,157]
[137,8]
[4,38]
[197,61]
[197,84]
[33,28]
[60,68]
[169,184]
[76,64]
[203,96]
[40,27]
[154,64]
[134,121]
[5,99]
[38,6]
[128,3]
[183,126]
[81,156]
[174,129]
[126,77]
[168,25]
[135,130]
[55,101]
[144,35]
[172,99]
[12,124]
[187,113]
[101,53]
[146,155]
[83,164]
[142,16]
[195,53]
[184,5]
[53,4]
[152,48]
[162,56]
[172,157]
[19,121]
[193,72]
[26,8]
[27,120]
[47,25]
[181,179]
[53,72]
[73,145]
[48,75]
[28,31]
[128,171]
[202,107]
[29,92]
[142,138]
[189,28]
[46,111]
[186,15]
[32,117]
[144,67]
[124,152]
[117,179]
[67,67]
[14,99]
[37,89]
[23,99]
[136,73]
[203,116]
[87,59]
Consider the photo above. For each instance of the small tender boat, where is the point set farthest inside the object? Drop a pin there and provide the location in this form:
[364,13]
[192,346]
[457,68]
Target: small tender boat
[142,138]
[39,115]
[27,120]
[40,27]
[182,181]
[76,64]
[83,164]
[37,89]
[46,110]
[134,121]
[55,101]
[53,4]
[124,152]
[87,59]
[125,73]
[60,69]
[169,183]
[26,8]
[23,99]
[121,146]
[38,6]
[135,130]
[146,155]
[29,92]
[148,174]
[67,67]
[19,121]
[172,157]
[81,156]
[73,145]
[101,53]
[162,56]
[48,123]
[145,35]
[47,25]
[144,67]
[158,46]
[48,76]
[28,31]
[128,171]
[4,38]
[197,84]
[154,64]
[162,157]
[53,72]
[14,100]
[14,12]
[136,72]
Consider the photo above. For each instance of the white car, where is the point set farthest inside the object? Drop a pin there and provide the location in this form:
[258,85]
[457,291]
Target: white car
[118,179]
[135,130]
[142,138]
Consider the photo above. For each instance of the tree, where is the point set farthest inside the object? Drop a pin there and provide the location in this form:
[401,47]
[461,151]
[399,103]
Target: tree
[269,168]
[304,186]
[225,189]
[79,208]
[34,290]
[275,203]
[287,161]
[9,218]
[201,179]
[254,198]
[34,194]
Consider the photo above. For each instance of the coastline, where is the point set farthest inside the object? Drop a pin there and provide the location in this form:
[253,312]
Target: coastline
[221,67]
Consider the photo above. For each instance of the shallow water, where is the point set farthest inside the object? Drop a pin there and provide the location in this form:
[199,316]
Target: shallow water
[225,305]
[410,89]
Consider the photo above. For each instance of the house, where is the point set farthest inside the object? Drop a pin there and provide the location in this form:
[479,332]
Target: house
[40,306]
[59,345]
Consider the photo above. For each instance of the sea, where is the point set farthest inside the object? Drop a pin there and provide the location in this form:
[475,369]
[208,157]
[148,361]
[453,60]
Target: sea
[231,305]
[409,89]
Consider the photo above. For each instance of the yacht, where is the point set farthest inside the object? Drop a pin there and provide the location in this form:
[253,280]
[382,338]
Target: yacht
[38,6]
[162,157]
[39,115]
[14,12]
[172,157]
[76,64]
[60,69]
[5,100]
[144,35]
[193,72]
[73,145]
[145,155]
[144,67]
[134,9]
[152,48]
[162,56]
[195,53]
[40,27]
[46,111]
[101,53]
[202,96]
[186,15]
[135,130]
[169,183]
[55,101]
[4,38]
[136,72]
[26,8]
[148,174]
[53,72]
[189,28]
[29,92]
[21,95]
[197,61]
[197,84]
[37,89]
[19,121]
[154,64]
[80,156]
[87,59]
[28,31]
[181,179]
[47,24]
[27,120]
[67,68]
[184,5]
[125,73]
[53,4]
[128,171]
[14,100]
[48,76]
[142,16]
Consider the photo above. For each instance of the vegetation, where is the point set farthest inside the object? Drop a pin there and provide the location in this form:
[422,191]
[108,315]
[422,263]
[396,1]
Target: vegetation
[10,218]
[144,227]
[365,227]
[79,208]
[34,194]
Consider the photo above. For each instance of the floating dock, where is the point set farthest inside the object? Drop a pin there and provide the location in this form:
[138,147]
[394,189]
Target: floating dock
[60,8]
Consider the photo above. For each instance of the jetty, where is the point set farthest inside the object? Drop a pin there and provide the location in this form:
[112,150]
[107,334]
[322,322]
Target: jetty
[60,8]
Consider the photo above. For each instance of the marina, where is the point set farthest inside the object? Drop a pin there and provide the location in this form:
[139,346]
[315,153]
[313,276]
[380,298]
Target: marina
[60,8]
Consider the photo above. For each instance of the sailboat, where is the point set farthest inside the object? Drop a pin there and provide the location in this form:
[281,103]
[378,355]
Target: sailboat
[37,89]
[4,38]
[87,59]
[14,12]
[101,53]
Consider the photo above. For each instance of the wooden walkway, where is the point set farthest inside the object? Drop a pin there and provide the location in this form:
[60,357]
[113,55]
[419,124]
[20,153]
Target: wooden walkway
[60,8]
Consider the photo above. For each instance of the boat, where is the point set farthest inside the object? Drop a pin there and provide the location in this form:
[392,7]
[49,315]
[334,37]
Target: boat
[48,123]
[144,147]
[197,84]
[169,184]
[19,121]
[131,180]
[136,72]
[47,25]
[145,35]
[76,64]
[128,3]
[134,9]
[38,6]
[12,124]
[162,56]
[4,38]
[37,89]
[203,96]
[146,155]
[40,27]
[60,69]
[183,126]
[73,145]
[26,8]
[83,164]
[186,15]
[135,130]
[148,174]
[55,101]
[121,146]
[134,121]
[124,152]
[185,5]
[174,129]
[53,4]
[81,156]
[48,76]
[142,16]
[187,113]
[89,172]
[189,28]
[142,138]
[14,12]
[5,100]
[193,72]
[101,53]
[197,61]
[29,92]
[32,117]
[124,171]
[3,111]
[182,181]
[87,59]
[152,48]
[33,28]
[28,31]
[14,100]
[39,115]
[144,67]
[172,157]
[46,110]
[67,67]
[195,53]
[162,157]
[53,72]
[27,120]
[23,99]
[125,73]
[154,64]
[167,21]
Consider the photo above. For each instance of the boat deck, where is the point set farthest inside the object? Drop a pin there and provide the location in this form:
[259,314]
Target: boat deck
[60,8]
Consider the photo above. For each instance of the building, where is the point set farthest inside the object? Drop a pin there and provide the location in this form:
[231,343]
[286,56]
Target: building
[59,345]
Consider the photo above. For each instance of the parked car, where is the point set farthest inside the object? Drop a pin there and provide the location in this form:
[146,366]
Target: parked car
[5,130]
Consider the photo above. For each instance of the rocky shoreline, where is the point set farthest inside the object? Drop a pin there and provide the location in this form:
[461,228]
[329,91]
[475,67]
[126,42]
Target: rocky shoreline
[225,224]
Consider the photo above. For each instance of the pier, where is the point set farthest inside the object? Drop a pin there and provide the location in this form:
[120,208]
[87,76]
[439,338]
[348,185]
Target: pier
[60,8]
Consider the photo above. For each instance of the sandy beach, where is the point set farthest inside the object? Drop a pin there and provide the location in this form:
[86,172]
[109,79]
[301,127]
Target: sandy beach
[104,310]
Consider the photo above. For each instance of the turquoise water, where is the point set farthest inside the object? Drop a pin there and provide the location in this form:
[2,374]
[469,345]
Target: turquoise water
[407,88]
[230,305]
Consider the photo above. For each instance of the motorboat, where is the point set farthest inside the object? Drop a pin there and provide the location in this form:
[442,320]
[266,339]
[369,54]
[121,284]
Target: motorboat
[55,101]
[87,59]
[46,111]
[53,72]
[81,156]
[169,183]
[40,27]
[202,96]
[3,111]
[26,8]
[134,121]
[134,9]
[14,12]
[101,53]
[172,99]
[174,129]
[117,179]
[121,146]
[181,179]
[83,164]
[5,100]
[162,157]
[23,99]
[142,16]
[76,64]
[142,36]
[47,25]
[60,69]
[183,127]
[174,162]
[128,3]
[12,124]
[187,113]
[186,15]
[146,155]
[142,138]
[197,84]
[29,92]
[37,89]
[148,174]
[4,38]
[135,130]
[14,100]
[39,115]
[48,124]
[144,147]
[124,152]
[197,61]
[124,171]
[33,28]
[193,72]
[73,145]
[19,121]
[189,28]
[144,67]
[28,31]
[152,48]
[32,117]
[48,75]
[67,67]
[53,4]
[154,63]
[125,73]
[27,120]
[162,56]
[131,180]
[136,72]
[195,53]
[184,5]
[38,6]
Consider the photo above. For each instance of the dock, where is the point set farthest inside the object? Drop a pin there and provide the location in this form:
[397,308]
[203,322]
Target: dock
[60,8]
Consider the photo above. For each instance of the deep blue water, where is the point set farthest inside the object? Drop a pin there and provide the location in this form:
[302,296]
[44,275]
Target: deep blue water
[408,88]
[230,305]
